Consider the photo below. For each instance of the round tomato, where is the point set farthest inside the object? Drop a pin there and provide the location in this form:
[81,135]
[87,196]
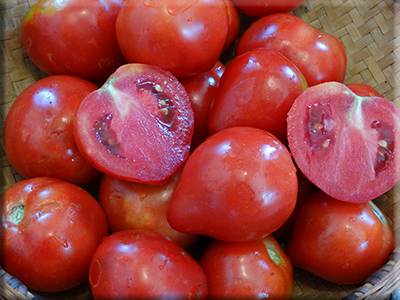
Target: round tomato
[133,264]
[233,25]
[345,144]
[73,37]
[340,241]
[257,89]
[138,126]
[183,37]
[239,185]
[321,57]
[365,90]
[50,229]
[201,89]
[251,270]
[259,8]
[132,205]
[41,119]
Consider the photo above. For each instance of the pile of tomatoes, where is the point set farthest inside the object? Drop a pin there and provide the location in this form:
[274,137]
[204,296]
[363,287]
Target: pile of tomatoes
[174,143]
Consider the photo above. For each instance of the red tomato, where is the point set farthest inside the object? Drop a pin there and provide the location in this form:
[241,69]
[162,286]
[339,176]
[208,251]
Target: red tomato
[365,90]
[183,37]
[239,185]
[257,89]
[50,230]
[41,119]
[321,57]
[345,144]
[251,270]
[138,126]
[259,8]
[339,241]
[201,89]
[133,264]
[73,37]
[131,205]
[233,25]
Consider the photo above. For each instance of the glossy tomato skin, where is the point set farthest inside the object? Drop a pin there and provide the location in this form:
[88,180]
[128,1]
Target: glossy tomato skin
[257,89]
[132,205]
[339,241]
[259,8]
[133,264]
[50,230]
[73,37]
[234,24]
[138,126]
[41,119]
[250,270]
[365,90]
[201,89]
[310,49]
[345,144]
[239,185]
[185,38]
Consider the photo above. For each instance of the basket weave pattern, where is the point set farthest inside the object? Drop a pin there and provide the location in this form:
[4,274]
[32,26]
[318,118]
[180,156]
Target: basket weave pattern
[370,32]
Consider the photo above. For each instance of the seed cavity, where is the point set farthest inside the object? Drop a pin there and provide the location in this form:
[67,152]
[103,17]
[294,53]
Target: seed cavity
[107,135]
[385,145]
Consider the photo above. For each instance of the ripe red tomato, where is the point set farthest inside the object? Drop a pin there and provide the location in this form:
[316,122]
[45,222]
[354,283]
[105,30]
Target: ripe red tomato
[133,264]
[259,8]
[345,144]
[257,89]
[132,205]
[73,37]
[365,90]
[183,37]
[239,185]
[233,25]
[201,89]
[41,119]
[321,57]
[251,270]
[50,229]
[138,126]
[339,241]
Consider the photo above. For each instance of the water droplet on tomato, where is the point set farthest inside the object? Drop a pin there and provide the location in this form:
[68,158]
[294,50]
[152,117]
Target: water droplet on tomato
[129,282]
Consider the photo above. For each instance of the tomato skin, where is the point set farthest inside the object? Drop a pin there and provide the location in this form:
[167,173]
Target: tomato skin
[339,241]
[185,38]
[233,25]
[201,89]
[51,247]
[250,270]
[310,49]
[257,89]
[133,264]
[239,185]
[259,8]
[138,126]
[73,37]
[364,90]
[131,205]
[41,119]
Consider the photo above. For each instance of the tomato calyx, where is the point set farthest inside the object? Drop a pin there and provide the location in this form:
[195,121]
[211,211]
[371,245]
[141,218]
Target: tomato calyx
[17,213]
[378,213]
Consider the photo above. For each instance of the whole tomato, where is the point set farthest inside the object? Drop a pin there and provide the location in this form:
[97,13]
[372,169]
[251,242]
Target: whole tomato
[239,185]
[340,241]
[259,8]
[133,264]
[132,205]
[250,270]
[183,37]
[50,229]
[233,25]
[321,57]
[41,119]
[365,90]
[73,37]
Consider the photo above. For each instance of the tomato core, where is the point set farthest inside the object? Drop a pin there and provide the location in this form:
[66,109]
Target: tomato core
[16,213]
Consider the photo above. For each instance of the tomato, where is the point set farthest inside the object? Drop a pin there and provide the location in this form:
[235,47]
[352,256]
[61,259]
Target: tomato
[73,37]
[239,185]
[50,229]
[183,37]
[138,126]
[257,89]
[201,89]
[132,205]
[321,57]
[259,8]
[41,119]
[133,264]
[345,144]
[251,270]
[233,25]
[364,90]
[340,241]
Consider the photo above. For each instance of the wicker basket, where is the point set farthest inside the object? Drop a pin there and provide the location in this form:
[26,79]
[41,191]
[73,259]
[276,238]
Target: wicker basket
[370,32]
